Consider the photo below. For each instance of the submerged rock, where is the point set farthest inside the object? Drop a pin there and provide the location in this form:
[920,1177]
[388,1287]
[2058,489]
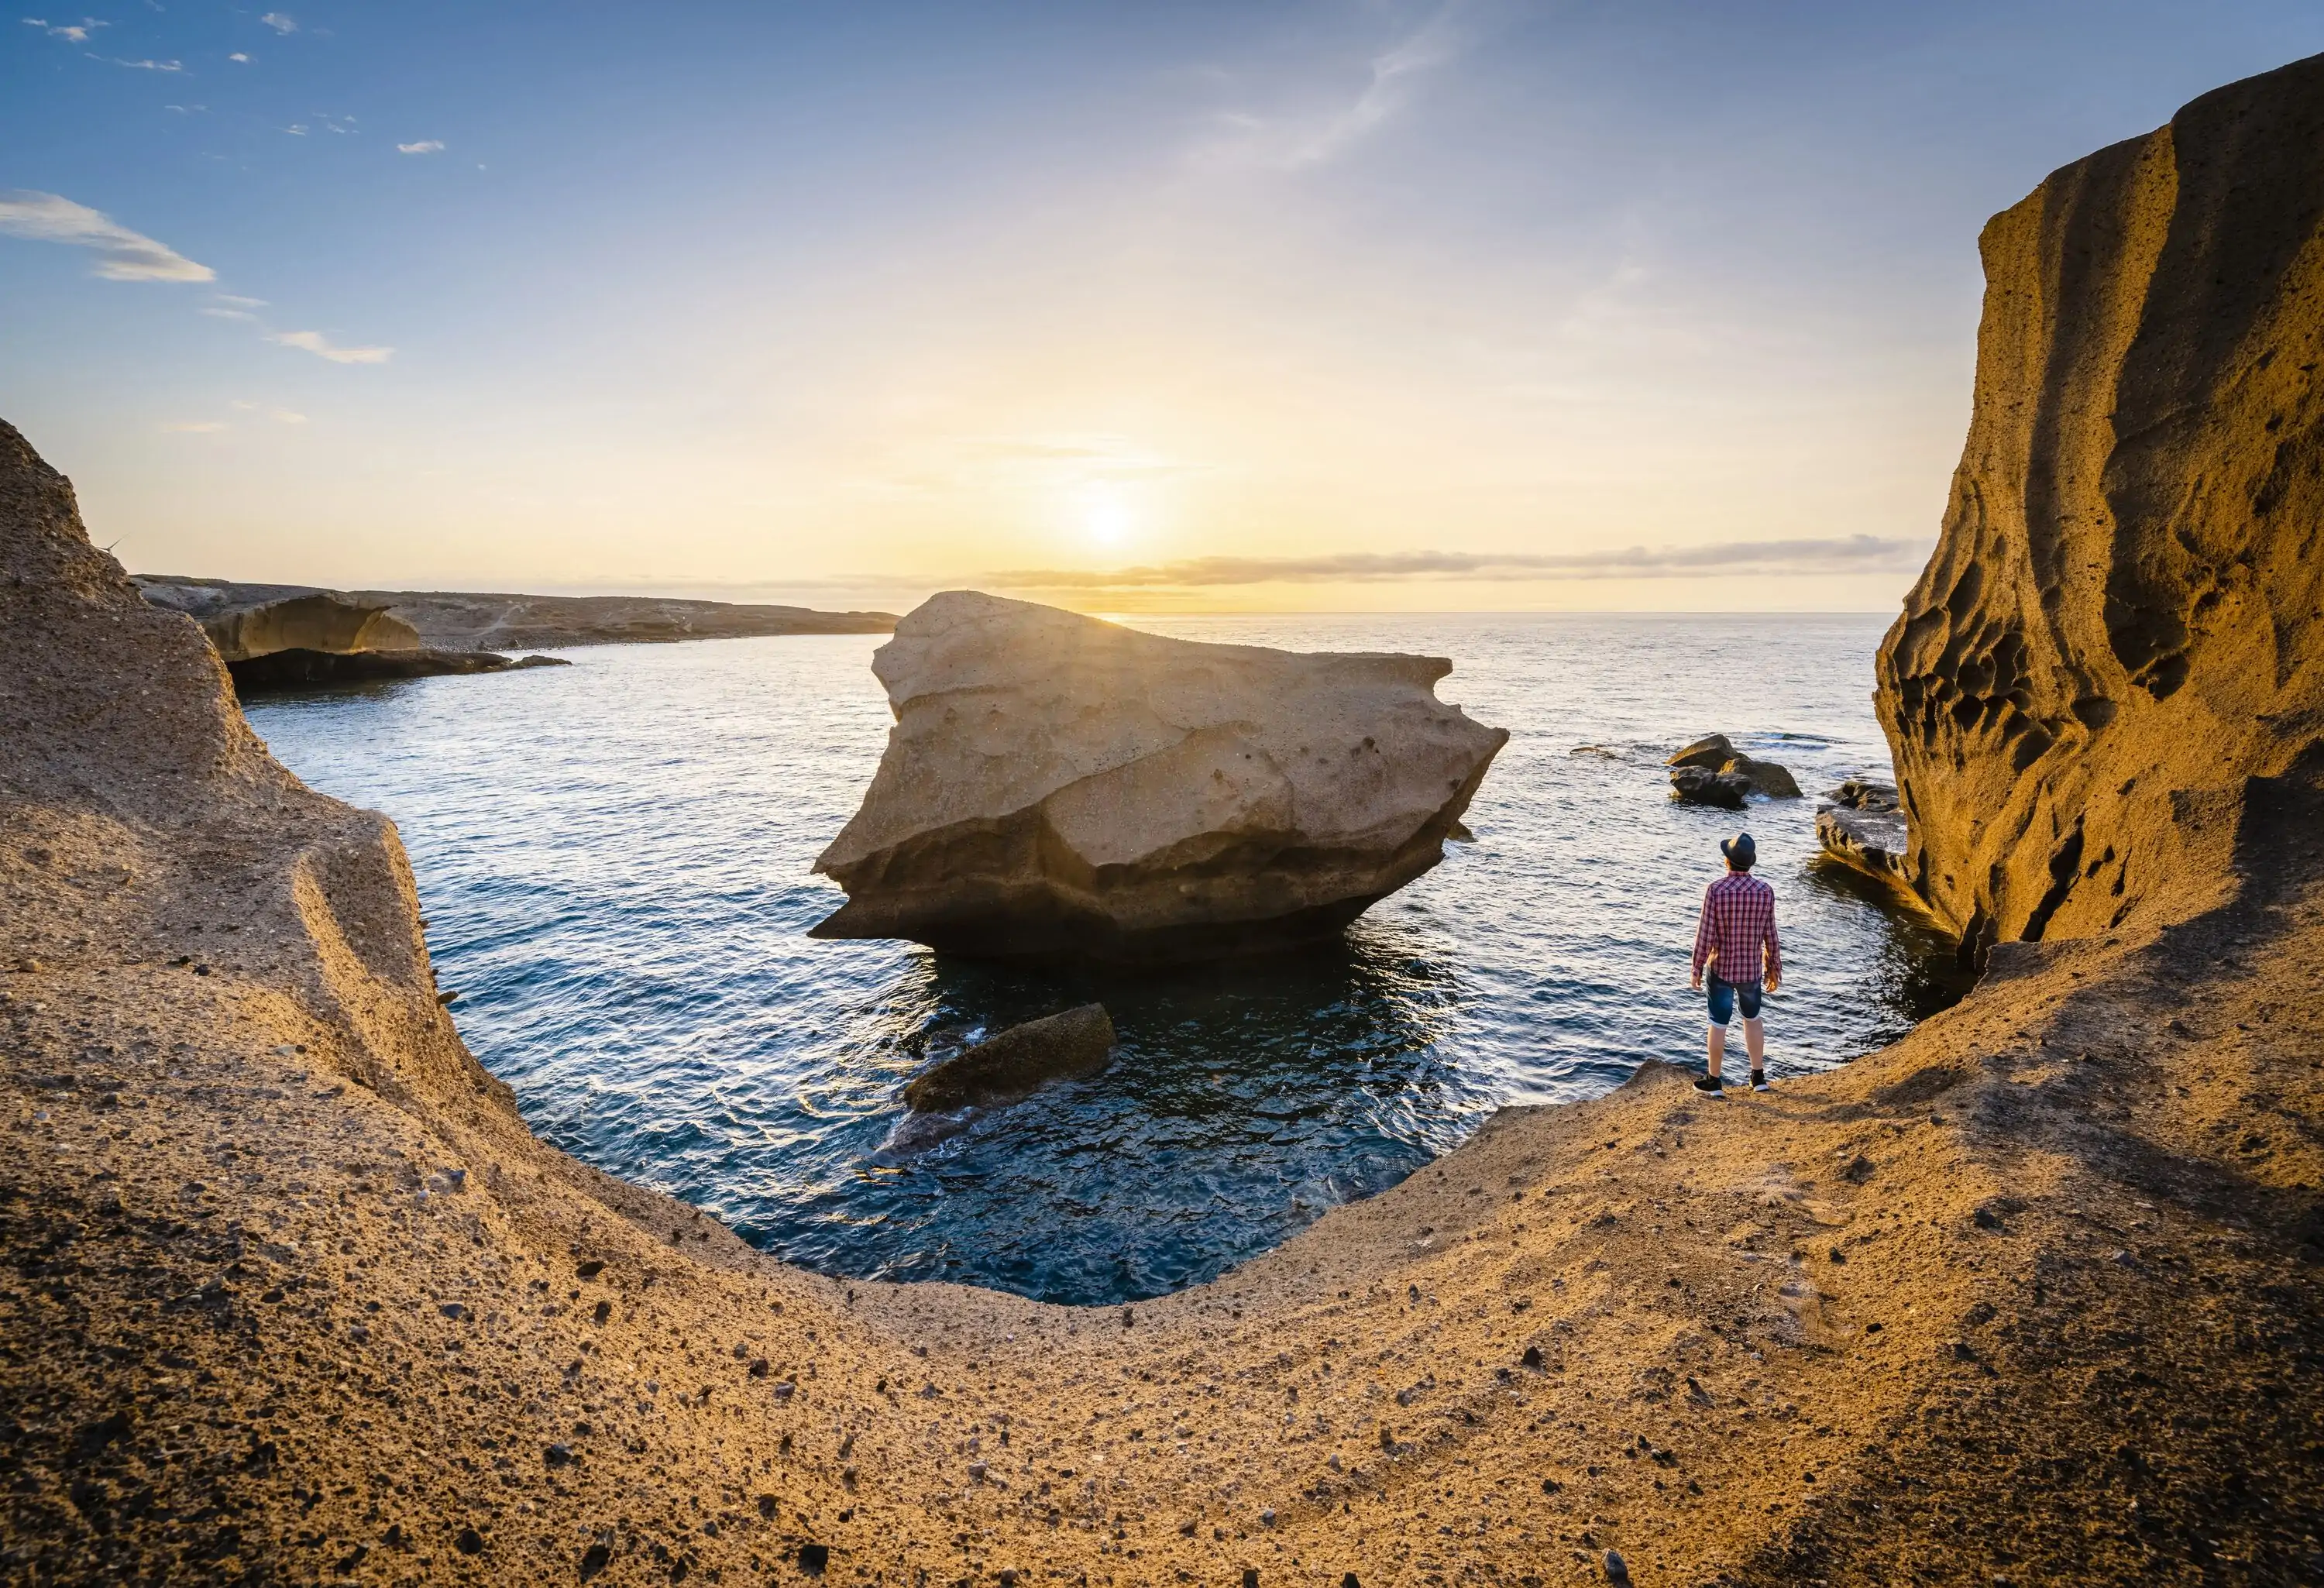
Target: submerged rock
[1017,1062]
[1056,787]
[1698,785]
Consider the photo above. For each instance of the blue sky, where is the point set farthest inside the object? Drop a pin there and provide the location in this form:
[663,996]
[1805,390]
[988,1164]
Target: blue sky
[1342,305]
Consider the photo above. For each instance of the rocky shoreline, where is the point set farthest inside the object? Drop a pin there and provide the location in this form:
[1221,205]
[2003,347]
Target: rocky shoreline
[280,636]
[291,1294]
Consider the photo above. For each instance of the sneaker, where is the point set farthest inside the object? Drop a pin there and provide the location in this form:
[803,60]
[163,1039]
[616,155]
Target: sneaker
[1759,1081]
[1711,1085]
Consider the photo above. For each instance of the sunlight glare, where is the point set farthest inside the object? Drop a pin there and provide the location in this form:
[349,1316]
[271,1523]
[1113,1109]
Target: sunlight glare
[1107,520]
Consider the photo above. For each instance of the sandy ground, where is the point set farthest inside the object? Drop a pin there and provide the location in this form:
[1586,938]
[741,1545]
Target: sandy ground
[291,1295]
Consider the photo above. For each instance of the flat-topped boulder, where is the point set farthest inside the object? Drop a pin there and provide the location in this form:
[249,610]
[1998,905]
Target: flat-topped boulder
[1056,787]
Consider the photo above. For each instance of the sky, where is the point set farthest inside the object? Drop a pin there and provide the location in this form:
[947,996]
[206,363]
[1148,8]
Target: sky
[1314,305]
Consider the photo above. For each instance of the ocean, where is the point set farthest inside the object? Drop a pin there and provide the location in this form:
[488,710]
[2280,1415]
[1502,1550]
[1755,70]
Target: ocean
[614,860]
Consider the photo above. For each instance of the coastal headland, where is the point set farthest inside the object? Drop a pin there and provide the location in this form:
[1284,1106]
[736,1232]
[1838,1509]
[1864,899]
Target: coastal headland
[291,1294]
[446,620]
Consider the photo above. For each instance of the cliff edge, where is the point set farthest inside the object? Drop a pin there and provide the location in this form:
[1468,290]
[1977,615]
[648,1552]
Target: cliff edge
[2124,613]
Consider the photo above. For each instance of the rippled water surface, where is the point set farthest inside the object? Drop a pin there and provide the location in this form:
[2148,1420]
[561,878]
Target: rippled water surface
[613,860]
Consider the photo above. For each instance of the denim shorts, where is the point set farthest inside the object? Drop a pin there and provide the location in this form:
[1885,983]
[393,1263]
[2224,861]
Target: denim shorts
[1723,997]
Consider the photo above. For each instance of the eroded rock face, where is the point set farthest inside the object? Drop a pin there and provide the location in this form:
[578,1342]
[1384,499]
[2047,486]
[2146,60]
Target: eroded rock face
[1056,787]
[319,621]
[274,637]
[2126,610]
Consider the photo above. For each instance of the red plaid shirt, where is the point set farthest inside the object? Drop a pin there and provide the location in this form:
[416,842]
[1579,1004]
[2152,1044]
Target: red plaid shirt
[1739,919]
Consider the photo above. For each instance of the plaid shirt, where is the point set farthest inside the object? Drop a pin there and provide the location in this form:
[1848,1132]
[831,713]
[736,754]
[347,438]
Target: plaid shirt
[1739,919]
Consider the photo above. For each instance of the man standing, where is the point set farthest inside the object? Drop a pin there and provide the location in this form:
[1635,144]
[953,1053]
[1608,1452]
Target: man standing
[1738,930]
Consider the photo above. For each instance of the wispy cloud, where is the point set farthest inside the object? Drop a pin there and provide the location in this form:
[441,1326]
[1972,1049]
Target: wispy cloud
[122,255]
[1295,140]
[280,416]
[1841,554]
[215,312]
[238,55]
[72,33]
[280,22]
[425,146]
[238,301]
[141,65]
[315,342]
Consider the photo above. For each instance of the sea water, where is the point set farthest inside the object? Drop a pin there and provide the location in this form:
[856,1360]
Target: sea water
[614,859]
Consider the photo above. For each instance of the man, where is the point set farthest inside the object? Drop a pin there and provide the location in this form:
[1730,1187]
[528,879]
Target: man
[1736,941]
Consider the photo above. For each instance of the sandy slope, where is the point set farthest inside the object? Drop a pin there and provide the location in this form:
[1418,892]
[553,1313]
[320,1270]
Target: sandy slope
[291,1294]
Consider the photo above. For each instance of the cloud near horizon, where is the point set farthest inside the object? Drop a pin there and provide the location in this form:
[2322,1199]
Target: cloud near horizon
[1840,554]
[315,343]
[122,255]
[425,146]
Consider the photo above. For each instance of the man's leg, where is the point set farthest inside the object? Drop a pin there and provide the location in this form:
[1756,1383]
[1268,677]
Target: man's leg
[1755,1043]
[1718,1048]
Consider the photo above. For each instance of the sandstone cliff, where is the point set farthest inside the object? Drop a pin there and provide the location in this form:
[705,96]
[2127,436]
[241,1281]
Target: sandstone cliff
[1060,787]
[2124,613]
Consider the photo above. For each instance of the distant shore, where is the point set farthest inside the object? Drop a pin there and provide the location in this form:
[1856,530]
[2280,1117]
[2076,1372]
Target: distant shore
[479,621]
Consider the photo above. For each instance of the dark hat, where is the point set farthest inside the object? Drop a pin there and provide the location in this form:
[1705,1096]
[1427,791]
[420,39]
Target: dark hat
[1741,852]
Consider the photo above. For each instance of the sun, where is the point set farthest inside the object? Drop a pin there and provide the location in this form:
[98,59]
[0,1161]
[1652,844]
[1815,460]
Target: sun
[1107,519]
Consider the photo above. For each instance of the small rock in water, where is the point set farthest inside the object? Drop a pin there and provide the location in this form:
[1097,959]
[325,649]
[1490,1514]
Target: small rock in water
[917,1132]
[1865,794]
[1698,785]
[1710,753]
[1015,1063]
[1766,777]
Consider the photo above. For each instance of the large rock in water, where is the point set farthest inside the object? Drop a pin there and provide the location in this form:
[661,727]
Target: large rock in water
[2125,609]
[1059,787]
